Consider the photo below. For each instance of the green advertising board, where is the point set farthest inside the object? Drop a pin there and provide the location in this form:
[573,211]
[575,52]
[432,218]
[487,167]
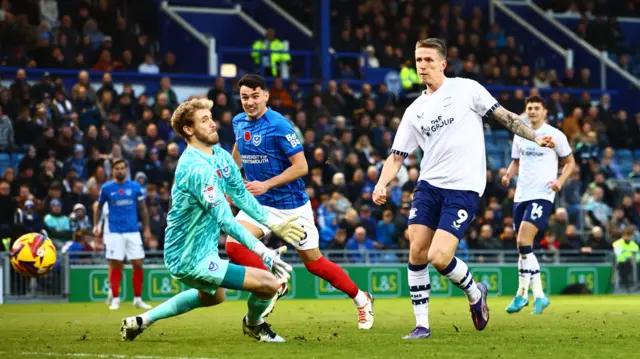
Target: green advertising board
[91,283]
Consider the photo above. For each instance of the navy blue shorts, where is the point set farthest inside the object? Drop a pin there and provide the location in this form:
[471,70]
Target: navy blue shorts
[447,209]
[536,212]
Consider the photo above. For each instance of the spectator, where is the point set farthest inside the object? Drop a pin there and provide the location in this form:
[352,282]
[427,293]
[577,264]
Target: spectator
[361,244]
[148,66]
[596,241]
[627,256]
[386,230]
[130,141]
[618,223]
[598,212]
[79,222]
[28,220]
[57,224]
[487,240]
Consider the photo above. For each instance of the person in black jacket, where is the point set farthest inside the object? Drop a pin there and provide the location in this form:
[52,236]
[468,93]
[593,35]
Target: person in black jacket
[7,212]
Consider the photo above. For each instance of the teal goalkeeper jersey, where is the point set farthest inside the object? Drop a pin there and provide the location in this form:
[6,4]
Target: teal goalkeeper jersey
[199,209]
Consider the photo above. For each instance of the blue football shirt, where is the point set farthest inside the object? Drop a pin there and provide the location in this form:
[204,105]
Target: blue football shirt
[123,205]
[265,146]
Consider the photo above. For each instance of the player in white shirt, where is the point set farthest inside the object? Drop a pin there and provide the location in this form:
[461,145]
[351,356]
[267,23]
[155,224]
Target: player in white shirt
[538,182]
[446,122]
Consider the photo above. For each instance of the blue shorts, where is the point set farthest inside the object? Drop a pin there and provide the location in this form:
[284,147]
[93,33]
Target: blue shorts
[536,212]
[447,209]
[212,273]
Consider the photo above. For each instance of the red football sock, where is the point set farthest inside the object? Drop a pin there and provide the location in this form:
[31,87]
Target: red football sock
[241,255]
[115,277]
[137,279]
[332,273]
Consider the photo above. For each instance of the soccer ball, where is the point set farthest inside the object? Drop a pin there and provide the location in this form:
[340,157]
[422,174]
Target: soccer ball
[33,255]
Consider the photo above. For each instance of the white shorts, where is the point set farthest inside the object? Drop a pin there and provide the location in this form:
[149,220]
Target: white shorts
[119,245]
[311,239]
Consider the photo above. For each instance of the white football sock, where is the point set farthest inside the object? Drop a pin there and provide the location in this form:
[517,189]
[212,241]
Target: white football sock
[536,282]
[360,299]
[419,287]
[458,273]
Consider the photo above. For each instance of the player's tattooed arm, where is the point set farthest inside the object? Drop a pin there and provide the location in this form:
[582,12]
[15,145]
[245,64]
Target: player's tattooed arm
[513,123]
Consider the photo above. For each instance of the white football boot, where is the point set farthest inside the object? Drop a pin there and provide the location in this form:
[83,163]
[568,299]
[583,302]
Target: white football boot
[132,327]
[365,314]
[115,304]
[138,303]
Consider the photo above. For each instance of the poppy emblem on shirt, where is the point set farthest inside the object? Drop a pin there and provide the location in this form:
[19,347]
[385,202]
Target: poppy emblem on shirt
[219,173]
[247,136]
[121,191]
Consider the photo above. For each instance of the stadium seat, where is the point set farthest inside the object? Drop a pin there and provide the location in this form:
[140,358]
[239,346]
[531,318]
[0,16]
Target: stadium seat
[502,135]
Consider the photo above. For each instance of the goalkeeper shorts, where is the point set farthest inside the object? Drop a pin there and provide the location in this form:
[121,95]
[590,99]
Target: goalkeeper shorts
[212,273]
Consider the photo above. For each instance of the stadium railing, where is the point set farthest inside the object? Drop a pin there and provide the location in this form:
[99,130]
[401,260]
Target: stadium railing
[85,273]
[391,256]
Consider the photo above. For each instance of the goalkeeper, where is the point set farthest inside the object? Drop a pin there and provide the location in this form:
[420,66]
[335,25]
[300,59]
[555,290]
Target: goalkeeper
[199,211]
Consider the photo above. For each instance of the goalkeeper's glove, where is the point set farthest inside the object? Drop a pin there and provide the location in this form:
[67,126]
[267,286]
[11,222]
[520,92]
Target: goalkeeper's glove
[271,258]
[288,230]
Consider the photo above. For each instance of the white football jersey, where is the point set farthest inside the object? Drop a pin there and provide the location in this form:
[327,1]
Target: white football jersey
[447,125]
[538,165]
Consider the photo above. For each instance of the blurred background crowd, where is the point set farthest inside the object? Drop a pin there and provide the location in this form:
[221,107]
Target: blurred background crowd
[62,138]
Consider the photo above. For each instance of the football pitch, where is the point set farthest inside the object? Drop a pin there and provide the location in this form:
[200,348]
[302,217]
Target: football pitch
[571,327]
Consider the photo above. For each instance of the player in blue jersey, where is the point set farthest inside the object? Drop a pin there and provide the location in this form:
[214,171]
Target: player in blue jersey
[125,199]
[273,161]
[199,212]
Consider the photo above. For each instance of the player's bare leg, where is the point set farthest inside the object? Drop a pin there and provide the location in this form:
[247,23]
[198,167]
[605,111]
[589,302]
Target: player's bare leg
[320,266]
[420,237]
[241,255]
[115,279]
[137,280]
[442,257]
[184,302]
[529,273]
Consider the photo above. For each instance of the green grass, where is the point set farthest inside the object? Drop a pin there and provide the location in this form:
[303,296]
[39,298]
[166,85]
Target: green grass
[572,327]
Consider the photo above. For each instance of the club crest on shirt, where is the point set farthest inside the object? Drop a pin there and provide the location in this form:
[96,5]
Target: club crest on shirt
[209,194]
[226,171]
[447,101]
[128,192]
[257,139]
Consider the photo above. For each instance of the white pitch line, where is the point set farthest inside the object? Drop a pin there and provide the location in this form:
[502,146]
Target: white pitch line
[119,356]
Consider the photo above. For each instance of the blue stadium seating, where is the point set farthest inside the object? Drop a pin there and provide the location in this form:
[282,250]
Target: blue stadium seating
[7,161]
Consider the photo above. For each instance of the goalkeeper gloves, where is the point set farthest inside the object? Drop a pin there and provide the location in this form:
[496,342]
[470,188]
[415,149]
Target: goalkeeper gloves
[289,231]
[271,258]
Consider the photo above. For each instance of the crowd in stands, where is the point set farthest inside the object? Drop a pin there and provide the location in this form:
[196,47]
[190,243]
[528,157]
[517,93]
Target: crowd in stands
[79,34]
[70,135]
[599,27]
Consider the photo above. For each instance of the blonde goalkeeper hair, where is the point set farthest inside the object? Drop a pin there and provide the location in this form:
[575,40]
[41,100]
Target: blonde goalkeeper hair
[183,115]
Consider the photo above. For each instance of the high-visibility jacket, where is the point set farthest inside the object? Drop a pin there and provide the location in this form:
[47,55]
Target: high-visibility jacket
[625,251]
[276,57]
[408,77]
